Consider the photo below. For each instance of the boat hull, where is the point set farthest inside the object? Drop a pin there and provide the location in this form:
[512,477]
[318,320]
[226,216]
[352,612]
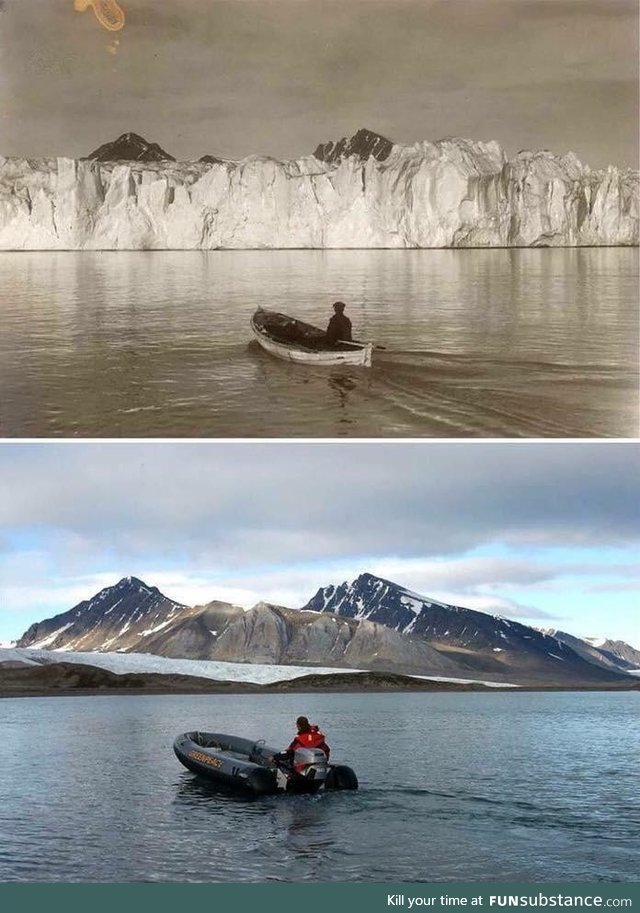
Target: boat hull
[314,353]
[242,765]
[227,761]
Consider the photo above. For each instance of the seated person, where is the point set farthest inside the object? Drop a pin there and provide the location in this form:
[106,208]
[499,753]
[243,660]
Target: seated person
[307,736]
[339,328]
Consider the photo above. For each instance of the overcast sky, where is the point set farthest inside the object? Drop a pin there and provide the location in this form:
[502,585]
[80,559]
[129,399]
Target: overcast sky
[546,533]
[236,77]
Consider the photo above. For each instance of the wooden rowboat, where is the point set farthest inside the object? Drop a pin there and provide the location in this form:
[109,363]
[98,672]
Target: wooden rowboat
[291,339]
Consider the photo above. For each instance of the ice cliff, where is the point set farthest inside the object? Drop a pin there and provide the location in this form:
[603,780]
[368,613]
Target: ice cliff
[451,193]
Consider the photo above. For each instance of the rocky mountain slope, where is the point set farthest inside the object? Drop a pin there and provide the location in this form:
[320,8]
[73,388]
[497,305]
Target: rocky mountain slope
[481,641]
[363,192]
[131,148]
[617,650]
[612,654]
[370,624]
[133,617]
[274,634]
[117,618]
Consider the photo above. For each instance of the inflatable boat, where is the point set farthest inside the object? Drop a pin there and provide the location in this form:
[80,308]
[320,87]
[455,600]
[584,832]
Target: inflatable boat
[255,768]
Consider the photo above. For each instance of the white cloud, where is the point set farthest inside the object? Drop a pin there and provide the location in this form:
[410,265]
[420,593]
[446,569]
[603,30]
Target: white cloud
[470,581]
[244,522]
[223,505]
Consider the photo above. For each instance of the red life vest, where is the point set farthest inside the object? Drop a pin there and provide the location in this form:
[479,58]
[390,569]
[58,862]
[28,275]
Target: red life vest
[312,738]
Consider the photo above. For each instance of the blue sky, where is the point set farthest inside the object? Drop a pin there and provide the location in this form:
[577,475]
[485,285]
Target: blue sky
[545,533]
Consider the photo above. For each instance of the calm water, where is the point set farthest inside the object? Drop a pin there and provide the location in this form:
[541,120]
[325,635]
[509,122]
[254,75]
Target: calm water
[478,343]
[475,787]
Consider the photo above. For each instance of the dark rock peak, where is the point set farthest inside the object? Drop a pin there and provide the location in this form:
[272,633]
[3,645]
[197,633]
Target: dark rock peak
[135,583]
[125,586]
[126,602]
[372,580]
[366,587]
[210,160]
[376,599]
[363,145]
[130,147]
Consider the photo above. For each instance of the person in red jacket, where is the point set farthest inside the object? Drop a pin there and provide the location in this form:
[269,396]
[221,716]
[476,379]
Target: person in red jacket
[307,736]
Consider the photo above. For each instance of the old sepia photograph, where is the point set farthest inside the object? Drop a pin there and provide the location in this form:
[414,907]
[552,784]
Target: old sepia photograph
[319,218]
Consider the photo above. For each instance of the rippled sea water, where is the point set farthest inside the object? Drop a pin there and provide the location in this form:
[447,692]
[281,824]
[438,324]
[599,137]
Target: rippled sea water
[454,787]
[477,343]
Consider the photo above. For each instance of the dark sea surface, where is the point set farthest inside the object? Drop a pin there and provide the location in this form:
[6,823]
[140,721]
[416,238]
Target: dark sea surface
[453,787]
[478,343]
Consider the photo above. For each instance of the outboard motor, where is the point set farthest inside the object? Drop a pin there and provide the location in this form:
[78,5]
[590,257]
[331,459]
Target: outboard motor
[311,763]
[308,771]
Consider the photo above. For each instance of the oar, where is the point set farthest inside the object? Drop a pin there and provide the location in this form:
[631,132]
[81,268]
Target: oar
[357,342]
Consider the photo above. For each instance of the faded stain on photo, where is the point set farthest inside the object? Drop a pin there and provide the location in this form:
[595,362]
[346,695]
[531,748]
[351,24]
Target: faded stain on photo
[108,13]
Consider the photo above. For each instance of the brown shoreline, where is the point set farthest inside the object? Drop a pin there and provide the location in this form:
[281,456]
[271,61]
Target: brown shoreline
[73,679]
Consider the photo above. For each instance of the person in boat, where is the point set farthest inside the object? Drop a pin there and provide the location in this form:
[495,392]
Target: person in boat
[339,328]
[307,736]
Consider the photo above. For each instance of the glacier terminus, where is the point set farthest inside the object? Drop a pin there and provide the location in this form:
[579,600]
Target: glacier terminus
[363,192]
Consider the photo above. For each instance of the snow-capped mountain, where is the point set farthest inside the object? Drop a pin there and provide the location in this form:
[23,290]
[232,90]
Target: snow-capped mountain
[370,624]
[116,618]
[130,148]
[480,640]
[363,192]
[134,617]
[377,599]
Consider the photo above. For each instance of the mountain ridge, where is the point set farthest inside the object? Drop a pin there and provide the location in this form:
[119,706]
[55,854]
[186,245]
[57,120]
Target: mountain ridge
[494,641]
[371,624]
[132,605]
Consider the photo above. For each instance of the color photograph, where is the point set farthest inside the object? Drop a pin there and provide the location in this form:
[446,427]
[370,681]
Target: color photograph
[425,667]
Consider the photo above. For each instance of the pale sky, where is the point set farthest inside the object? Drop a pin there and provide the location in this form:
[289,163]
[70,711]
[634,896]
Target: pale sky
[276,77]
[546,533]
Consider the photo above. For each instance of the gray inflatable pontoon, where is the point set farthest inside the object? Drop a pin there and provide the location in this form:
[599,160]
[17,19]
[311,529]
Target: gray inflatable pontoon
[255,768]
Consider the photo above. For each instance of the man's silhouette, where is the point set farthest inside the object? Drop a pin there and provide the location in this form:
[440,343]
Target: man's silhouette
[339,328]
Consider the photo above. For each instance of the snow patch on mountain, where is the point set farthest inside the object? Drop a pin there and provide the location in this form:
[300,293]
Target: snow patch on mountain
[47,641]
[159,627]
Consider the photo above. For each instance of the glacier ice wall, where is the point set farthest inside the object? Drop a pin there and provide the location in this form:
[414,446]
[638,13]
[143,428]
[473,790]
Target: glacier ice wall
[453,193]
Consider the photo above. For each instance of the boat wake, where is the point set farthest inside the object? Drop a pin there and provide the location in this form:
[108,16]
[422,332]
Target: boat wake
[430,393]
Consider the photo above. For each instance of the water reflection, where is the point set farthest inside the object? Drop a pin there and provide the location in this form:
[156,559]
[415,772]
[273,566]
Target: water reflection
[475,343]
[342,385]
[128,810]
